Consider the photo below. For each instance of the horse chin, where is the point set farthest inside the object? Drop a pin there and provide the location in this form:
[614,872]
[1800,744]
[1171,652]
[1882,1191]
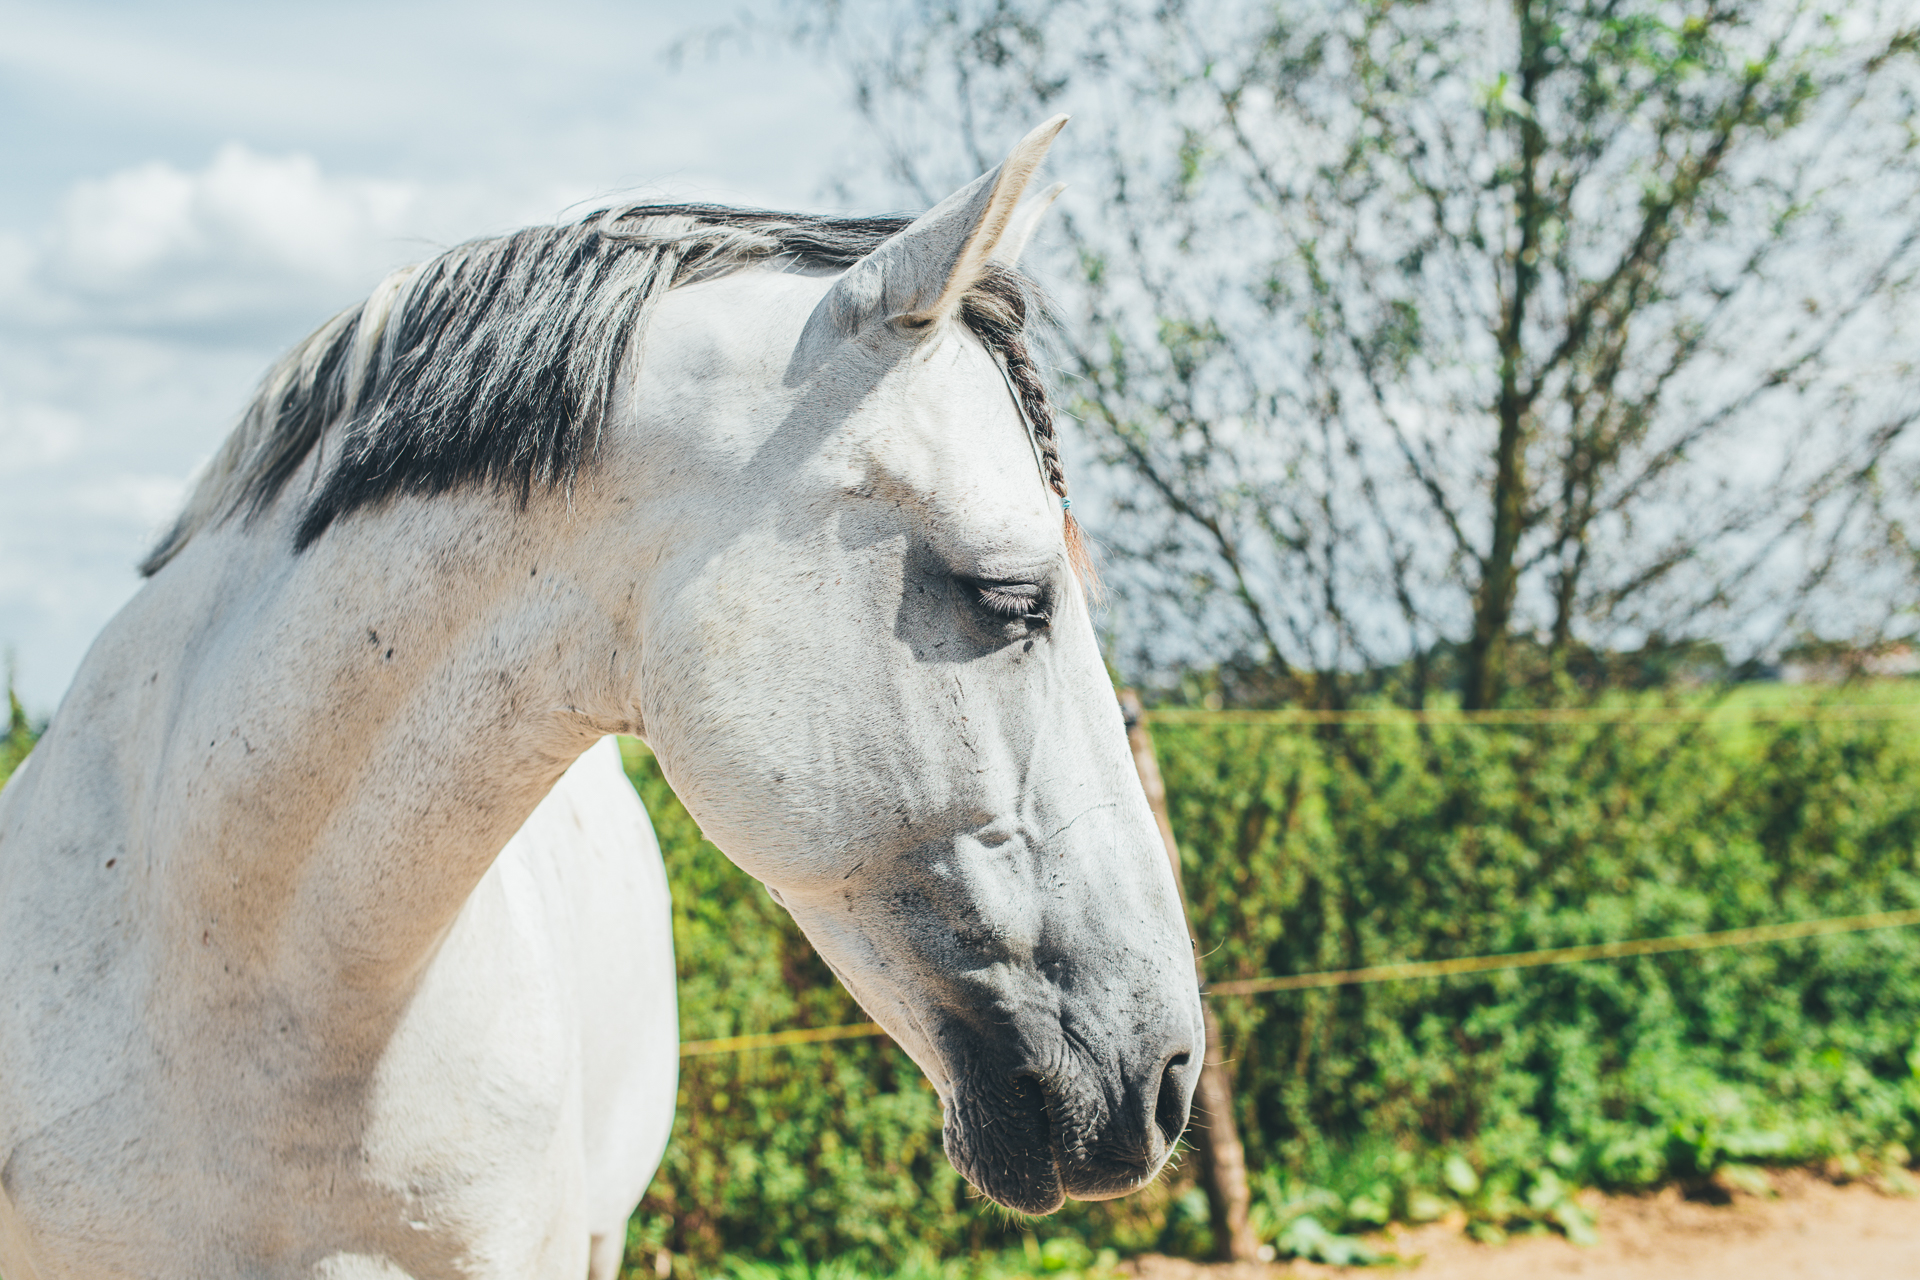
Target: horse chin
[1004,1144]
[1013,1148]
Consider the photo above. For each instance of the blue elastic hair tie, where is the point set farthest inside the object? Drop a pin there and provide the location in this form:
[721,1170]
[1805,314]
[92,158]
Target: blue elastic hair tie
[1066,504]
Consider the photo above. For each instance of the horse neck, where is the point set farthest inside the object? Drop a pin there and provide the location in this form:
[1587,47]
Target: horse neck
[357,730]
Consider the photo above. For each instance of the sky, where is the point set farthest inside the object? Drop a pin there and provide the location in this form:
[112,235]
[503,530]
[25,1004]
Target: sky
[191,188]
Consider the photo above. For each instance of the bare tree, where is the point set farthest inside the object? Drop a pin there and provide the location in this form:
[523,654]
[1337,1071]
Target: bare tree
[1403,329]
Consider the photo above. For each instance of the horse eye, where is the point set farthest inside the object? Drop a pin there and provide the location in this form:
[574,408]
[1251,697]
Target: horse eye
[1025,600]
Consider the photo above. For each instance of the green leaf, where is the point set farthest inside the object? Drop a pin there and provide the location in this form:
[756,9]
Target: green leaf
[1306,1238]
[1459,1175]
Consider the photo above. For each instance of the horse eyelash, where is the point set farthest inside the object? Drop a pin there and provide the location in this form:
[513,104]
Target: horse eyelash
[1012,599]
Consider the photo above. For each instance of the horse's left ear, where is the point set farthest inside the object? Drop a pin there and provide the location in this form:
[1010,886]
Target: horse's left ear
[918,277]
[1026,220]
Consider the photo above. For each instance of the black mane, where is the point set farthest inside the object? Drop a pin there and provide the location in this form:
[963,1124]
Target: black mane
[494,363]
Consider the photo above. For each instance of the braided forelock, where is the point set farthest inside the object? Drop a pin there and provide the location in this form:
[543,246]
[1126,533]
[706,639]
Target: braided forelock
[999,310]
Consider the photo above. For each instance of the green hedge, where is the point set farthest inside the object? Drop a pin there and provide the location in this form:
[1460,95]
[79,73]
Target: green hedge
[1336,847]
[1320,848]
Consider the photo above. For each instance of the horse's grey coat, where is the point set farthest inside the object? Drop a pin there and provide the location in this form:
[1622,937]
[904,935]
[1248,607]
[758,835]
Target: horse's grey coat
[331,943]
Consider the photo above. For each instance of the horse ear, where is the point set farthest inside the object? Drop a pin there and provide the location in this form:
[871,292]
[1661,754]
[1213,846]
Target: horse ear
[1026,220]
[919,275]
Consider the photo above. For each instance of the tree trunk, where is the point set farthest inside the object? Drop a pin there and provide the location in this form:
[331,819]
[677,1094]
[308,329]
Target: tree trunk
[1485,678]
[1216,1138]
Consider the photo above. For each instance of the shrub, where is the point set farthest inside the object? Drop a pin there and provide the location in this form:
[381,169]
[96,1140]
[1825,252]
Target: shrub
[1336,847]
[1313,848]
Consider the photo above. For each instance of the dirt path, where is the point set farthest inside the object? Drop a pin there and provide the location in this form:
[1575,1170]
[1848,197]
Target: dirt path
[1812,1230]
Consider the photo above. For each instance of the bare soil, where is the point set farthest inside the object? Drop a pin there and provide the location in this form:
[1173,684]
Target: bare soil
[1808,1229]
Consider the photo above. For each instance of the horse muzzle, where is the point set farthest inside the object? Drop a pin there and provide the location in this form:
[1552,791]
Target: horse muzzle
[1034,1136]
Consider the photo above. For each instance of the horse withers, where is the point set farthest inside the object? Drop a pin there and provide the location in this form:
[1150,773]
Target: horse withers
[332,940]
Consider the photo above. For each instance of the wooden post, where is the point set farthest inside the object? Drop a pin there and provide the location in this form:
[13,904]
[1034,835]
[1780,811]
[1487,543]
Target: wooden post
[1215,1136]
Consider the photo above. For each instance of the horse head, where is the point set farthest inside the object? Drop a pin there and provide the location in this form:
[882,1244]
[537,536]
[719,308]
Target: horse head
[870,670]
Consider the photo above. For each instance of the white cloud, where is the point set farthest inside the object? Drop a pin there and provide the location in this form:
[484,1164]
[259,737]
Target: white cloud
[248,237]
[273,211]
[36,435]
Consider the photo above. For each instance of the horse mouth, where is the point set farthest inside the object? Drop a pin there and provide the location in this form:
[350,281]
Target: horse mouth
[1019,1144]
[1002,1140]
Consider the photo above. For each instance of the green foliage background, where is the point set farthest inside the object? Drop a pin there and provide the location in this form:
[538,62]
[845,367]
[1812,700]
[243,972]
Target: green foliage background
[1336,847]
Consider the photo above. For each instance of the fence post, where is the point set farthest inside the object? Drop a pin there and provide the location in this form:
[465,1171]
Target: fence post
[1215,1136]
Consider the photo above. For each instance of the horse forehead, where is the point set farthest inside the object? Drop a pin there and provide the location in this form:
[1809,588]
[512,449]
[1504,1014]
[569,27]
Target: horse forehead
[935,425]
[946,425]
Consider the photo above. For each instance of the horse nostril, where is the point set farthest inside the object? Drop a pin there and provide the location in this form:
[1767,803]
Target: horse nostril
[1170,1108]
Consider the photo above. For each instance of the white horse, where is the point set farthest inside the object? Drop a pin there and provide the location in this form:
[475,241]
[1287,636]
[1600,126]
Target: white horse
[283,993]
